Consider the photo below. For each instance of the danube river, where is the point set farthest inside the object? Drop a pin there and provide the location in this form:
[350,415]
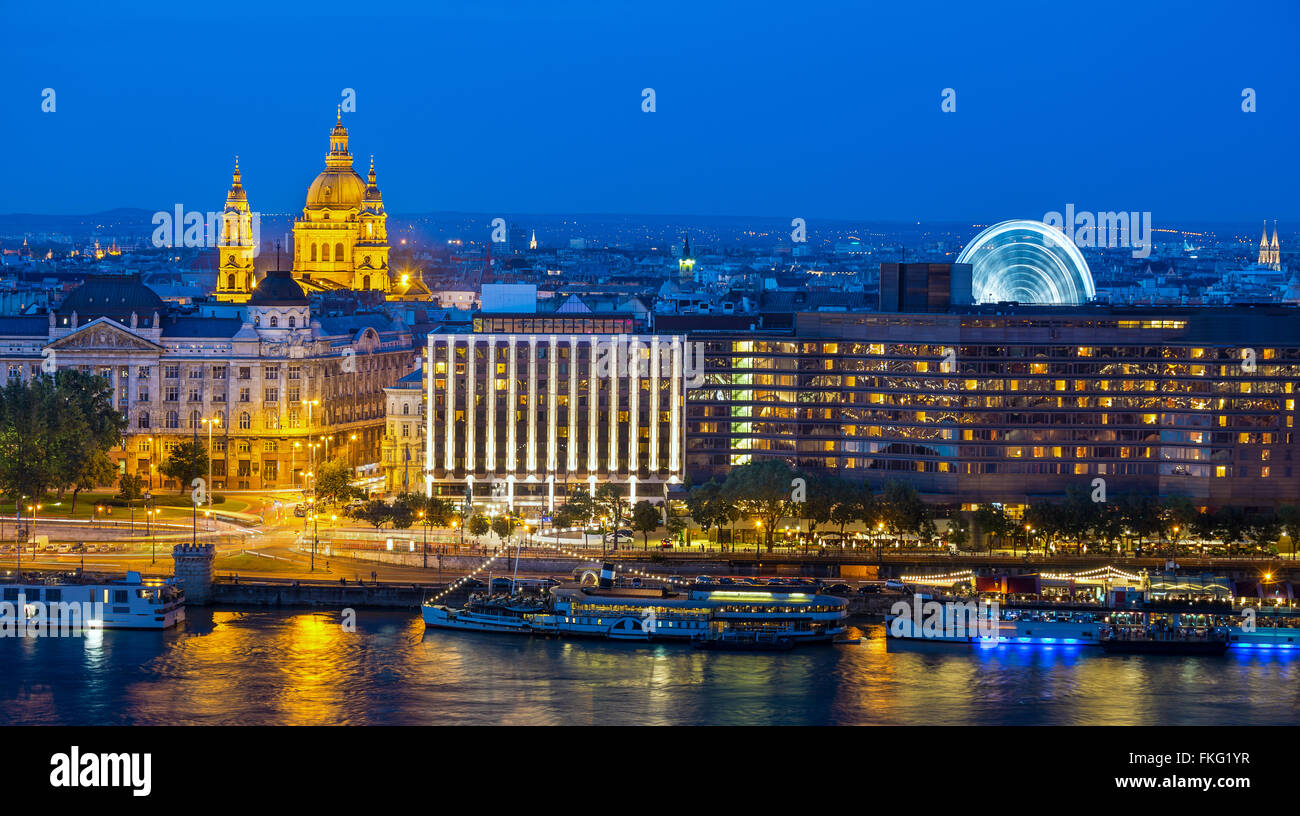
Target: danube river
[237,667]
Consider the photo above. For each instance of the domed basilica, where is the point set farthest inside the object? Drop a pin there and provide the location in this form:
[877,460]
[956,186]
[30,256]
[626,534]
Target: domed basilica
[341,241]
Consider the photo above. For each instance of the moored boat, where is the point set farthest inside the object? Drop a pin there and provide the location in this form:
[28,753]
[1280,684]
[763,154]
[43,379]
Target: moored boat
[73,604]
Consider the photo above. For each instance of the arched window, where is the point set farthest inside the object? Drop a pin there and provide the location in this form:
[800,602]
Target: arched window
[313,252]
[173,419]
[293,322]
[245,421]
[230,281]
[275,321]
[221,419]
[293,418]
[338,252]
[324,252]
[194,419]
[143,420]
[365,282]
[406,409]
[272,420]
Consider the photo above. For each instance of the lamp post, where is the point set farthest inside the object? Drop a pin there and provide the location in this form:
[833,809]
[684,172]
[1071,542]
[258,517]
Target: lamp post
[426,539]
[31,511]
[210,423]
[352,455]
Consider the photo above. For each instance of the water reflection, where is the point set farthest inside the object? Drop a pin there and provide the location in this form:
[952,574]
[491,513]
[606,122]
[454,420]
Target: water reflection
[305,668]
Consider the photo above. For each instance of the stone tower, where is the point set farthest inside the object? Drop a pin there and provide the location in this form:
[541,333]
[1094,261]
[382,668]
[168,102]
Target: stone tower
[194,571]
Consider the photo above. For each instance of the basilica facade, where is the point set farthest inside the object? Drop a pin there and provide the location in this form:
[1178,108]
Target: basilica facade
[340,242]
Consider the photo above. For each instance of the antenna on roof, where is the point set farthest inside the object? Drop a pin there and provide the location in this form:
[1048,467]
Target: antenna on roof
[277,256]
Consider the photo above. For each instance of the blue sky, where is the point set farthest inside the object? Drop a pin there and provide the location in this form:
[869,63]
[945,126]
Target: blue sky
[819,110]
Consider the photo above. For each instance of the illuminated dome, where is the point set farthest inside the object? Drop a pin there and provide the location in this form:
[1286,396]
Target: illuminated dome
[1028,262]
[337,188]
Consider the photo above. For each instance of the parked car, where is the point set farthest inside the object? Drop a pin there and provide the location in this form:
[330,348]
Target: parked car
[838,589]
[300,510]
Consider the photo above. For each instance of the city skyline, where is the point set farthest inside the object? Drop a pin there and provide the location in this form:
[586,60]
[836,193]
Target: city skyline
[517,132]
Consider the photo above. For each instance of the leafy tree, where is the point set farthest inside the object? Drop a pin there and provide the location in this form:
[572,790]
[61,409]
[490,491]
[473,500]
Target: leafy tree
[824,493]
[611,508]
[504,525]
[705,504]
[402,513]
[55,433]
[478,525]
[645,520]
[902,509]
[675,524]
[374,512]
[1289,517]
[334,482]
[187,461]
[130,487]
[84,427]
[762,489]
[992,521]
[577,510]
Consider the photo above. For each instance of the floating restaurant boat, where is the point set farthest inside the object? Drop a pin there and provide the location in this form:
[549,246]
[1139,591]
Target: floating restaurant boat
[131,602]
[1175,641]
[612,610]
[744,642]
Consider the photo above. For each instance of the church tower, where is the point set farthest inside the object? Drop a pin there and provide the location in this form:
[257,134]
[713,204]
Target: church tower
[1275,251]
[341,241]
[235,248]
[686,263]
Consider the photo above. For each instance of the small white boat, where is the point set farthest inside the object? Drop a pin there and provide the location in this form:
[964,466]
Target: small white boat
[58,605]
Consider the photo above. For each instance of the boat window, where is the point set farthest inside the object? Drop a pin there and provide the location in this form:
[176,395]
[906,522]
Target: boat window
[54,595]
[11,593]
[119,596]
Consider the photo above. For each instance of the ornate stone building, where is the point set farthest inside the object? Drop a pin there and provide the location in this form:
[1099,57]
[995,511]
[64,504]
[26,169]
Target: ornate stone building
[279,386]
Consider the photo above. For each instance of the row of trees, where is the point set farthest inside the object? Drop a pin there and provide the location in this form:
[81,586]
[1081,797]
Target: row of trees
[1141,518]
[771,491]
[55,434]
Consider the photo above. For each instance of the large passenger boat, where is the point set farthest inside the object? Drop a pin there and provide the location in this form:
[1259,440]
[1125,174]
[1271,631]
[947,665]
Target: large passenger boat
[131,602]
[1075,624]
[738,613]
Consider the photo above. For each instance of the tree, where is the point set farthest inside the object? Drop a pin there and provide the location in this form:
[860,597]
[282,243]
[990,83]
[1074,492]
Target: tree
[56,432]
[645,520]
[705,505]
[504,525]
[762,489]
[1289,517]
[611,507]
[374,512]
[402,513]
[130,487]
[902,509]
[84,427]
[577,511]
[992,521]
[334,482]
[478,525]
[187,461]
[824,492]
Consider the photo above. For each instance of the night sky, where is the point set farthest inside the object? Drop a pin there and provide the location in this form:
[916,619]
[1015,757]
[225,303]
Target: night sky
[808,109]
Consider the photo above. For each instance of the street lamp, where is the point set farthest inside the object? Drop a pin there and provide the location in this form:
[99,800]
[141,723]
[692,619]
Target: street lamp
[426,539]
[31,511]
[214,421]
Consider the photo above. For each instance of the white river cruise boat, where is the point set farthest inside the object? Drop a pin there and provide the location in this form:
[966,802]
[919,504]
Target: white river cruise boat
[127,603]
[795,612]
